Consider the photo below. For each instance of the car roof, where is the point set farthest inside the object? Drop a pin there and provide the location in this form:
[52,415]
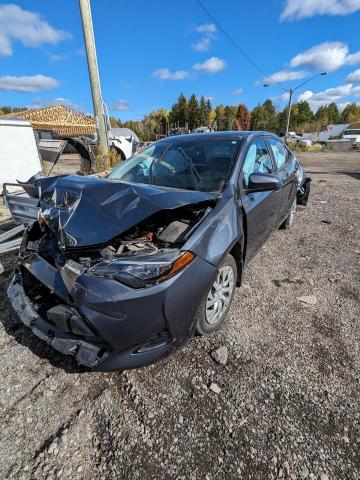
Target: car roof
[232,135]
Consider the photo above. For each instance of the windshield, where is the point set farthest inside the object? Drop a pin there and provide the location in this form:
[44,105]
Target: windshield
[202,165]
[352,132]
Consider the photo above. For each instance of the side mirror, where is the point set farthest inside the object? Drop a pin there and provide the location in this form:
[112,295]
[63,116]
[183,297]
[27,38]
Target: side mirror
[260,182]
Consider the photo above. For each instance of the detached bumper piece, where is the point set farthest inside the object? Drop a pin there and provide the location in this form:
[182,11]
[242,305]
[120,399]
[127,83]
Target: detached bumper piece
[85,353]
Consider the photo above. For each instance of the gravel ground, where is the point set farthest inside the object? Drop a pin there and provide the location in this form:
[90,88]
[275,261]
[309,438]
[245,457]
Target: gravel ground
[280,399]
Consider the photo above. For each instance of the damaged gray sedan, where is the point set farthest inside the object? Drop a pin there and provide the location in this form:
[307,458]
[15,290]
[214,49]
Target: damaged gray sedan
[121,271]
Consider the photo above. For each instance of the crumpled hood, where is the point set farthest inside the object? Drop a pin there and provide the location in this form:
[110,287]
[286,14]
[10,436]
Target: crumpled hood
[86,211]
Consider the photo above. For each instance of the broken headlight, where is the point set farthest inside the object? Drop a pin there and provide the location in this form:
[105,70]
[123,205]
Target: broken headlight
[142,273]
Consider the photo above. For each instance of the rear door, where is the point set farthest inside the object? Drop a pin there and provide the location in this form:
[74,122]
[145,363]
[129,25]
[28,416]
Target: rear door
[283,159]
[261,208]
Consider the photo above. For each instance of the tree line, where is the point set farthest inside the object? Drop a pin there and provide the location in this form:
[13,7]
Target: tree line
[193,112]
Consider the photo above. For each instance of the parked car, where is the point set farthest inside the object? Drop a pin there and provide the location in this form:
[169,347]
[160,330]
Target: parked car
[121,271]
[202,130]
[352,134]
[178,131]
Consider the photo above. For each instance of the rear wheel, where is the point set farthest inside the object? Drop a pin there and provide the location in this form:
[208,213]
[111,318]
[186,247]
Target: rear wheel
[215,306]
[289,220]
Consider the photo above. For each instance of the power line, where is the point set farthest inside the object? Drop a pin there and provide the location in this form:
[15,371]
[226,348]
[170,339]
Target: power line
[236,45]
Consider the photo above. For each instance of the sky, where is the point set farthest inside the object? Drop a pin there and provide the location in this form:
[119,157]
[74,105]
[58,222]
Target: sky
[149,51]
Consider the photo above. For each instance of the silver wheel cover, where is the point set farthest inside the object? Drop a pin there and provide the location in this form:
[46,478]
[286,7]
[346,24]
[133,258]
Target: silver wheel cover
[220,294]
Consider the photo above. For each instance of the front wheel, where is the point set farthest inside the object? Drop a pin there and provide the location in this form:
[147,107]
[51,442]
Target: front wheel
[215,306]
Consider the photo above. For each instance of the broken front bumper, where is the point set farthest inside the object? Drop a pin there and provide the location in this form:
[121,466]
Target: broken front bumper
[85,353]
[113,327]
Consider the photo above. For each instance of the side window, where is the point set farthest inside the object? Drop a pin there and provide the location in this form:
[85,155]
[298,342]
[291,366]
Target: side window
[258,160]
[280,152]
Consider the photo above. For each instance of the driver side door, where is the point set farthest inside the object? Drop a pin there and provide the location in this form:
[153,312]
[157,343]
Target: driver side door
[261,208]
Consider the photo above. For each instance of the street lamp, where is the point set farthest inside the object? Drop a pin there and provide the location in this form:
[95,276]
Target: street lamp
[290,91]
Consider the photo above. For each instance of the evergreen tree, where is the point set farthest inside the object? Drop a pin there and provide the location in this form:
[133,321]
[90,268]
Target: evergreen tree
[333,113]
[305,114]
[322,116]
[209,110]
[193,114]
[178,112]
[269,107]
[271,116]
[203,112]
[351,113]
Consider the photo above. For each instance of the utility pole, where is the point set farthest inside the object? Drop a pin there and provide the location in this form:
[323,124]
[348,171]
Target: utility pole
[291,91]
[94,79]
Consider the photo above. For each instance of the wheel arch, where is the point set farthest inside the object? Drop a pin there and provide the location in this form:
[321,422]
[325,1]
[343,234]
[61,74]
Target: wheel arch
[237,251]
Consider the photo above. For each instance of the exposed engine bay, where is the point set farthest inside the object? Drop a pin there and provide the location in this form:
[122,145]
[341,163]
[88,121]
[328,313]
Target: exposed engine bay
[163,230]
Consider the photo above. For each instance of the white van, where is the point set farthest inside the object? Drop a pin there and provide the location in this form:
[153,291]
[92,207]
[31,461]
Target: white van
[330,132]
[352,134]
[19,156]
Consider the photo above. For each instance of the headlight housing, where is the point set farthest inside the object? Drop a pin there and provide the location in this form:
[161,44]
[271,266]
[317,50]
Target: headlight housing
[143,271]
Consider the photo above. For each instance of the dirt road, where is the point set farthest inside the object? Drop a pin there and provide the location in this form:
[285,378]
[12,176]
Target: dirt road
[289,403]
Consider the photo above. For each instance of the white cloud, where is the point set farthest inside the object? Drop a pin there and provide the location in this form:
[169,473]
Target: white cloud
[40,103]
[327,56]
[33,83]
[27,27]
[329,95]
[237,92]
[355,91]
[166,74]
[354,76]
[283,76]
[211,65]
[208,30]
[120,106]
[202,45]
[297,9]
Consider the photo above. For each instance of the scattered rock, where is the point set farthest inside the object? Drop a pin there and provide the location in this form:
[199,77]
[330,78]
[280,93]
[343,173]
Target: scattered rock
[220,355]
[308,300]
[304,472]
[286,466]
[52,447]
[215,388]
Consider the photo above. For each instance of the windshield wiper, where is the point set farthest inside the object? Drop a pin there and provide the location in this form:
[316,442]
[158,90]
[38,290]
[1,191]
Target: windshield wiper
[156,160]
[193,169]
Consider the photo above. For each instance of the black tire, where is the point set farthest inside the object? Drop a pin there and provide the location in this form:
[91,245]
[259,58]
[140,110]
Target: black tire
[203,325]
[289,220]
